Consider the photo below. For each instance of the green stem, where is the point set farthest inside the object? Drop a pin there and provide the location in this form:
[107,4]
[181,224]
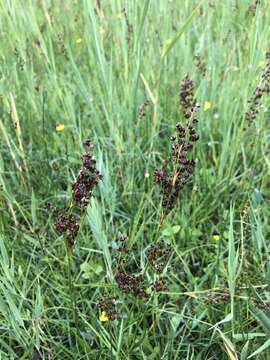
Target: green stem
[72,291]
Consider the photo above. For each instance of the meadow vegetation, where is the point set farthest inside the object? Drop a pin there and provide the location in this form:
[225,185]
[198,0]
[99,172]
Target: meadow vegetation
[155,243]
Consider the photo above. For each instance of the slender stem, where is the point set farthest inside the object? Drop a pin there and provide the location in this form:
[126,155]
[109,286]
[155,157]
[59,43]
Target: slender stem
[162,217]
[41,244]
[72,290]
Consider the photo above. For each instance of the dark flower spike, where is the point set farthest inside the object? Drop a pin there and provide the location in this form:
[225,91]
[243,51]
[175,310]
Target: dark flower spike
[67,220]
[178,168]
[128,278]
[200,65]
[158,256]
[88,177]
[261,89]
[142,109]
[186,94]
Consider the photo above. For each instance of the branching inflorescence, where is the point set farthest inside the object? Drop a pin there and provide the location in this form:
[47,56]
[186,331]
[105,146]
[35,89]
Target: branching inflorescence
[175,173]
[87,179]
[178,168]
[128,280]
[261,89]
[67,220]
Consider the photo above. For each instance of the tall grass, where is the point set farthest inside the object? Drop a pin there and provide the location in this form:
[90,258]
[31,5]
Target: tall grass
[91,69]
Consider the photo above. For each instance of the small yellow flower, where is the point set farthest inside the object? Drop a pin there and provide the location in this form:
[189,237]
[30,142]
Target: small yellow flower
[103,317]
[79,40]
[207,105]
[118,16]
[260,64]
[60,127]
[216,237]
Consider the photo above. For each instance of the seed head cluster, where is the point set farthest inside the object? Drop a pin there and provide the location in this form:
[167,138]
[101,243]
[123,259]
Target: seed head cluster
[142,108]
[67,224]
[129,279]
[87,179]
[67,220]
[218,299]
[178,168]
[160,284]
[200,64]
[108,306]
[261,89]
[186,93]
[158,255]
[253,7]
[131,284]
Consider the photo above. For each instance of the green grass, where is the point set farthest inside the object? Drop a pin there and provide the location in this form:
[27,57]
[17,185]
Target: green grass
[95,87]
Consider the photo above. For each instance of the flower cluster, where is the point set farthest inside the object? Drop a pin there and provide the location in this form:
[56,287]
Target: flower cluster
[177,170]
[160,284]
[107,306]
[129,26]
[261,89]
[131,284]
[128,278]
[67,220]
[142,109]
[87,178]
[66,224]
[253,7]
[20,59]
[218,298]
[200,64]
[186,93]
[158,255]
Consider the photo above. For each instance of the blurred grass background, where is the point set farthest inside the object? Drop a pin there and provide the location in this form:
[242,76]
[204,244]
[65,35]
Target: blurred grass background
[90,65]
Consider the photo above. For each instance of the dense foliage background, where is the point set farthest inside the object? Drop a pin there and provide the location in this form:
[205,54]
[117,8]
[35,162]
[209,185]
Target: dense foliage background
[90,66]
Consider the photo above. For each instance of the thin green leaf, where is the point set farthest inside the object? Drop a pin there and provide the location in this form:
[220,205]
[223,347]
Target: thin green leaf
[180,32]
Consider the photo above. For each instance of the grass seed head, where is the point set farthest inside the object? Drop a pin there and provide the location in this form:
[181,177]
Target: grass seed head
[178,168]
[68,220]
[262,88]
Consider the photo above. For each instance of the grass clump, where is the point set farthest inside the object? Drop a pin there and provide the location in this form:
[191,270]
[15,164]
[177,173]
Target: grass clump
[166,256]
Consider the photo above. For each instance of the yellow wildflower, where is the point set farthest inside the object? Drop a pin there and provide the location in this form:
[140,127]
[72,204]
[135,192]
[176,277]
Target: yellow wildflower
[216,237]
[103,316]
[260,64]
[118,16]
[60,127]
[207,105]
[79,40]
